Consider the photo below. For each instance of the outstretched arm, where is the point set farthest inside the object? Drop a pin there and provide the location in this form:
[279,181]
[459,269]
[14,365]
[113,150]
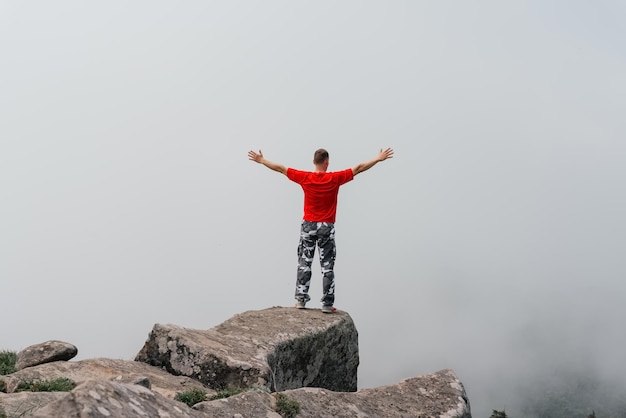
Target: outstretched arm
[382,156]
[258,157]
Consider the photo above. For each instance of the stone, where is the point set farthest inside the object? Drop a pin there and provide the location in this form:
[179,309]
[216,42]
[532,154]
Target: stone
[248,404]
[46,352]
[278,348]
[102,398]
[120,371]
[439,394]
[14,405]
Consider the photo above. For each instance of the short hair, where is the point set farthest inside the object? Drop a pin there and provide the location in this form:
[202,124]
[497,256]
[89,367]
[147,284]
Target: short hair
[320,156]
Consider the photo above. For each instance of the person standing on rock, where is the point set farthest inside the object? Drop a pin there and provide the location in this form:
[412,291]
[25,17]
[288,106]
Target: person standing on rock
[321,188]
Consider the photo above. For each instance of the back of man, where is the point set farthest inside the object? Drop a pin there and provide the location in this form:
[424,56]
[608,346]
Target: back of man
[320,192]
[321,189]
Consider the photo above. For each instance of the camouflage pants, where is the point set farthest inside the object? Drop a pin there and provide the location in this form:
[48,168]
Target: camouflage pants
[321,234]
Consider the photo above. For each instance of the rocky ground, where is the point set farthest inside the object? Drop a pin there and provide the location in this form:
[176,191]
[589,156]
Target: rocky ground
[276,356]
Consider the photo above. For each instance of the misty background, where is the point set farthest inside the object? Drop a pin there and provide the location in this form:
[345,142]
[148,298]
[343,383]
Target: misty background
[492,243]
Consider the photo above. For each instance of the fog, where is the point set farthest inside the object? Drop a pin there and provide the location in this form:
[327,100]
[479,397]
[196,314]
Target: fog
[492,243]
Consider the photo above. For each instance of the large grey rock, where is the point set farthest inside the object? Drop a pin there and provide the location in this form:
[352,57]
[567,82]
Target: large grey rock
[46,352]
[14,405]
[439,394]
[101,398]
[121,371]
[279,348]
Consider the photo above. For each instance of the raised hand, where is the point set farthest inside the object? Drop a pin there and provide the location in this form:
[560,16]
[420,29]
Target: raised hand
[258,158]
[253,156]
[383,155]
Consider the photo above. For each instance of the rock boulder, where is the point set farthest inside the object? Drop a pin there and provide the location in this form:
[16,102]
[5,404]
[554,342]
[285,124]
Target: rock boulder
[14,405]
[121,371]
[439,394]
[278,348]
[46,352]
[101,398]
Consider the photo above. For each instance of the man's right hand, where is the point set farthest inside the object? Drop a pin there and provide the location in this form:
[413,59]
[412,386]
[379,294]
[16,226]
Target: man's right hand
[383,155]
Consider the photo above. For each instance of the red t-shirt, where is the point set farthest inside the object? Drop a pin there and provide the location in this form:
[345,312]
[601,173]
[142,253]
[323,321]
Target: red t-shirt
[320,192]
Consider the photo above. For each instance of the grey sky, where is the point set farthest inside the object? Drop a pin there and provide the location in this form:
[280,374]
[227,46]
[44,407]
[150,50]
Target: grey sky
[492,243]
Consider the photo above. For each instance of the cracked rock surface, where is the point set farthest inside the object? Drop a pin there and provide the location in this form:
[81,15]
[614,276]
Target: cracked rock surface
[278,348]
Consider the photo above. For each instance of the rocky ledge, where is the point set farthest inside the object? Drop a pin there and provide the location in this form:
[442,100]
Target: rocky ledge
[279,348]
[305,356]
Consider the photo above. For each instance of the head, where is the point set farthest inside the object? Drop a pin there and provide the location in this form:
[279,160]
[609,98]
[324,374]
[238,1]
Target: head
[320,159]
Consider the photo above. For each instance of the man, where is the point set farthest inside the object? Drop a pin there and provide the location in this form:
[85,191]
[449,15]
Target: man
[318,225]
